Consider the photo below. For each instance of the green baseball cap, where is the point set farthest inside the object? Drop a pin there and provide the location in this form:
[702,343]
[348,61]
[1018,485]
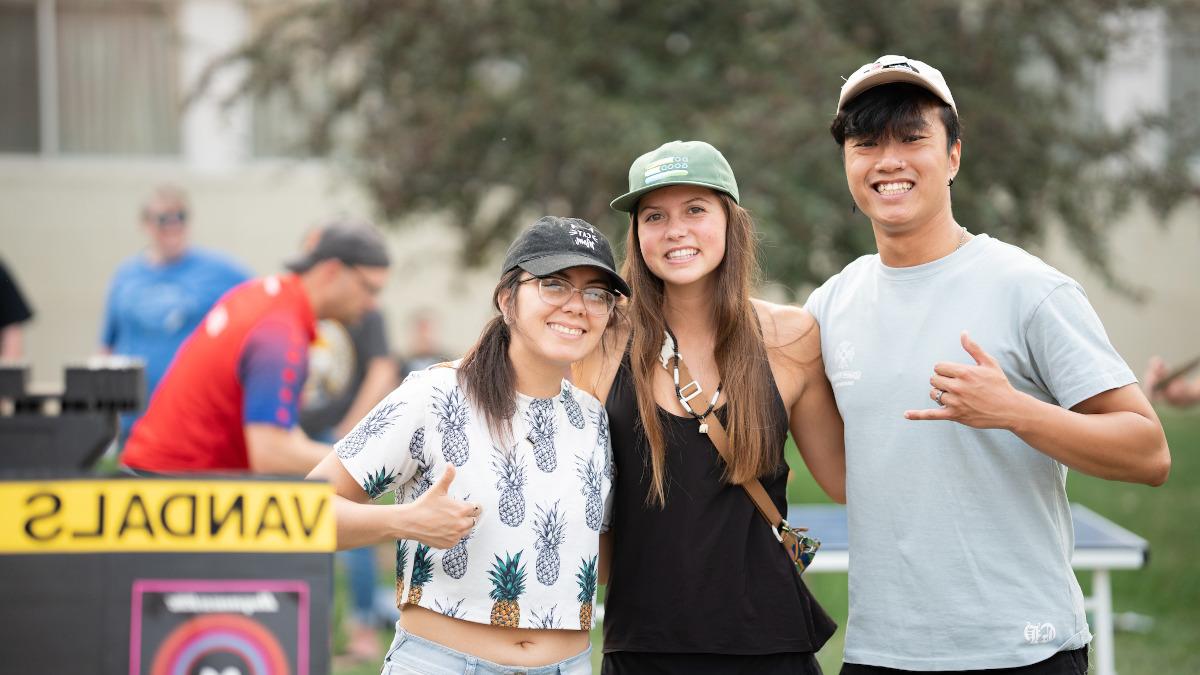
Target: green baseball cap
[677,163]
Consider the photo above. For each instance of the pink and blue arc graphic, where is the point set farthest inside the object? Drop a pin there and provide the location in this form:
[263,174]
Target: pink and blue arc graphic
[239,637]
[220,643]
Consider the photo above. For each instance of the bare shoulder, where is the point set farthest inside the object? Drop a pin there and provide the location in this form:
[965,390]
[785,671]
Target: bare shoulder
[789,329]
[595,372]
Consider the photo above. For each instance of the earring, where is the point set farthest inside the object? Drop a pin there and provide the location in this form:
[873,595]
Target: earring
[951,183]
[853,207]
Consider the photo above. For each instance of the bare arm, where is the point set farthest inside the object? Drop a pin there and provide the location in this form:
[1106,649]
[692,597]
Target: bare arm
[434,519]
[814,420]
[275,450]
[12,342]
[1114,435]
[596,371]
[379,379]
[605,563]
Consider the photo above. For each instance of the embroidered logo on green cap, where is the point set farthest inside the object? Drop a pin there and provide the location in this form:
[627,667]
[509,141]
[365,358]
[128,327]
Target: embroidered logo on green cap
[666,167]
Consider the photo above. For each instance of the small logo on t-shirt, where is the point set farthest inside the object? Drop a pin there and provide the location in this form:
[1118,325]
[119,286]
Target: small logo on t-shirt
[843,359]
[1039,633]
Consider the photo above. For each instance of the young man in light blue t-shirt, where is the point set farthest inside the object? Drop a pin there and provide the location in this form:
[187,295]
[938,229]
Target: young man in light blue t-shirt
[970,375]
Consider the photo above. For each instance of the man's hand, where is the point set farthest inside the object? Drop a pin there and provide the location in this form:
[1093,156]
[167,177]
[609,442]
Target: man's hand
[438,520]
[1177,390]
[978,396]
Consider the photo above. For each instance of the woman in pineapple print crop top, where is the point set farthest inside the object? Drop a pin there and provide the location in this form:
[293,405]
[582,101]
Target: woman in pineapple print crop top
[501,471]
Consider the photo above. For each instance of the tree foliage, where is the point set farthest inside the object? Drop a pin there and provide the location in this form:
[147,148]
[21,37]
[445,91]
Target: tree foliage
[491,111]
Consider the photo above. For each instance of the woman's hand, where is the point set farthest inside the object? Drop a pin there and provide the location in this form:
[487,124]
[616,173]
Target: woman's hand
[436,519]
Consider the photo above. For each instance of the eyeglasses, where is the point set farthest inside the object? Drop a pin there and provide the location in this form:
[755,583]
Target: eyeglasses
[558,292]
[368,285]
[165,218]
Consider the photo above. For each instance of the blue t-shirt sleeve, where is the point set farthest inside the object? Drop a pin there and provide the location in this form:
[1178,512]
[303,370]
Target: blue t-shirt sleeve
[234,275]
[221,277]
[272,368]
[108,330]
[1069,349]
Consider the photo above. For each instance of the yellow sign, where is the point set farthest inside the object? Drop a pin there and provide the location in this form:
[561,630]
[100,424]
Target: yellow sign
[161,516]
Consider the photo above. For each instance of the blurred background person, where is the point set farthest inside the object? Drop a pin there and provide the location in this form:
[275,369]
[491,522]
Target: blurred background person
[14,311]
[1174,387]
[350,369]
[424,348]
[230,399]
[158,296]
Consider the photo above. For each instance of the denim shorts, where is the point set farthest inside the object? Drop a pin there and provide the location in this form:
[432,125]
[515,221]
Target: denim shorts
[412,655]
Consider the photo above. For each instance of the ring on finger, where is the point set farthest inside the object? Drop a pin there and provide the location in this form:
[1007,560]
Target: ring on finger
[938,397]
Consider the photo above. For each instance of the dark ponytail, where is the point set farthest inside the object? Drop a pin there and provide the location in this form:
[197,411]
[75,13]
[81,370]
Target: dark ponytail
[486,373]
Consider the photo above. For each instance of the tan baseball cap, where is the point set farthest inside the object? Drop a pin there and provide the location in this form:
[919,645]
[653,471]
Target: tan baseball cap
[894,68]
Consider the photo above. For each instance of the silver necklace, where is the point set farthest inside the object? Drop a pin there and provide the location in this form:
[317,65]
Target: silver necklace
[962,237]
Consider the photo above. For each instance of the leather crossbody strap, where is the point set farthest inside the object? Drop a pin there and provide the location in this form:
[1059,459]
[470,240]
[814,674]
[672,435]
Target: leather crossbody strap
[720,440]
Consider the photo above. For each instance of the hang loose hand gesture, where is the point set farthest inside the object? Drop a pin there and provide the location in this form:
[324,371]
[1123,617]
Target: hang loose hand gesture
[978,396]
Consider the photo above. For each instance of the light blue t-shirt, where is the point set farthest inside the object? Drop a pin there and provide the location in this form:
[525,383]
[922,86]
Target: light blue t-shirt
[960,538]
[152,308]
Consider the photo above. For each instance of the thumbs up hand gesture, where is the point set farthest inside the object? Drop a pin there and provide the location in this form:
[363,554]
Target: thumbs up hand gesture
[978,396]
[436,519]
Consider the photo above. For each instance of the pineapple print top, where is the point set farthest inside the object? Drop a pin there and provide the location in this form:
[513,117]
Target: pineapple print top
[531,560]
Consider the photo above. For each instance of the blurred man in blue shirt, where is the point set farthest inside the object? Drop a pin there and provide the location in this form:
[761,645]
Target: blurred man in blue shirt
[158,297]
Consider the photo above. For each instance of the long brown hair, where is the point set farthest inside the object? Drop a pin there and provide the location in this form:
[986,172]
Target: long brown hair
[487,374]
[740,352]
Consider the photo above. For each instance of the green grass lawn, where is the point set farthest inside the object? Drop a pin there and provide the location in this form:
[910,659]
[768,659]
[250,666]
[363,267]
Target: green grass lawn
[1167,590]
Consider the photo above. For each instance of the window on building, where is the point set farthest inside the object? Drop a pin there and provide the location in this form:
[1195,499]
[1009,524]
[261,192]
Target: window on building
[1183,46]
[113,66]
[18,78]
[118,84]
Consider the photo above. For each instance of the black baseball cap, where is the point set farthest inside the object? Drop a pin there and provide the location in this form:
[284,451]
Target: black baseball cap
[350,242]
[552,244]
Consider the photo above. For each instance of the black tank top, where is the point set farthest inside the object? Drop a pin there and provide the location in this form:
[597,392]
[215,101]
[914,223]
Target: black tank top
[705,574]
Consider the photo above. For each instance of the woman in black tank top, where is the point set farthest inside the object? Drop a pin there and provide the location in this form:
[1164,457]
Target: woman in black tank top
[698,582]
